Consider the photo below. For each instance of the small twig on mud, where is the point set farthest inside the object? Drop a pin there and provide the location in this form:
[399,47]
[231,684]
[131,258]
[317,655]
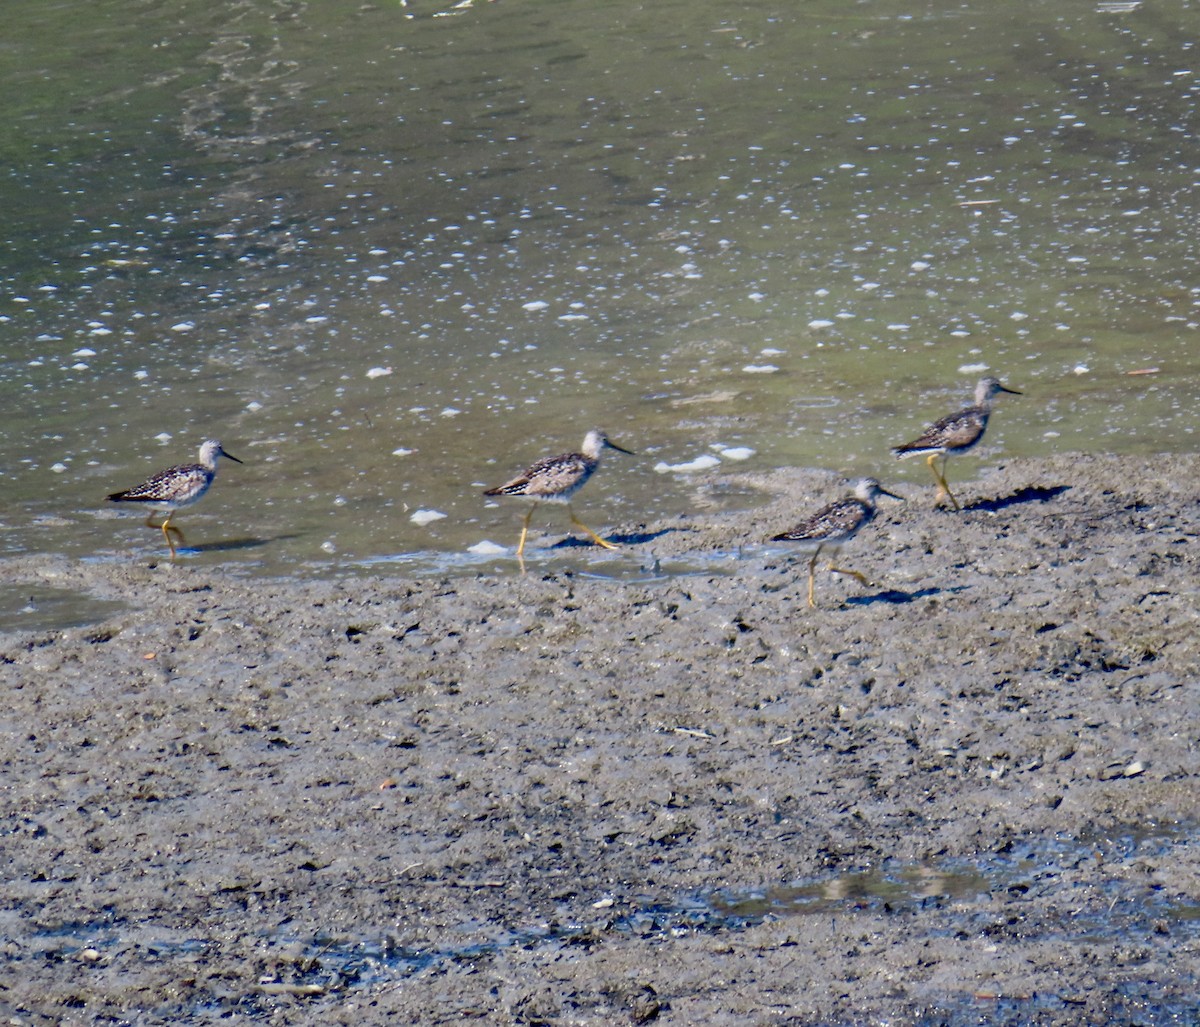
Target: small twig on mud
[693,732]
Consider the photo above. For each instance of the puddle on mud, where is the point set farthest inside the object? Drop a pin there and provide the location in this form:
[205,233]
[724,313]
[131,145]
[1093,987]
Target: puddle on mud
[967,888]
[852,890]
[38,608]
[618,566]
[958,890]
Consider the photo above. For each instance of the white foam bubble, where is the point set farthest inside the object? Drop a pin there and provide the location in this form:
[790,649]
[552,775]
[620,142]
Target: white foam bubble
[701,463]
[486,548]
[423,517]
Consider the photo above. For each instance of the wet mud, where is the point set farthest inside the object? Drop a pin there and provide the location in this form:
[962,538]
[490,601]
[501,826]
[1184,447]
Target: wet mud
[650,786]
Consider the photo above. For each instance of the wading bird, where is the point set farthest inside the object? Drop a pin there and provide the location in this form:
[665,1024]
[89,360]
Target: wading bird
[955,433]
[175,488]
[836,524]
[555,479]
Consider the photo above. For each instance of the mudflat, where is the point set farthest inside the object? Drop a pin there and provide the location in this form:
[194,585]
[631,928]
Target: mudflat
[666,791]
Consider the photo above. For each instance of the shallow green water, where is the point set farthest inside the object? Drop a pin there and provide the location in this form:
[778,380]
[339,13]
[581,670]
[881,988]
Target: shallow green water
[391,253]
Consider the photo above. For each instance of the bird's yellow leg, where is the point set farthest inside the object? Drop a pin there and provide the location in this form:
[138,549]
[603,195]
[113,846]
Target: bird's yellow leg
[946,486]
[812,573]
[595,538]
[940,478]
[862,578]
[524,535]
[931,460]
[169,530]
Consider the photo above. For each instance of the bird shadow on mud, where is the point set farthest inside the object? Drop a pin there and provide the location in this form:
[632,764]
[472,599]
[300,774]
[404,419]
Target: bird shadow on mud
[630,538]
[235,544]
[897,597]
[1029,494]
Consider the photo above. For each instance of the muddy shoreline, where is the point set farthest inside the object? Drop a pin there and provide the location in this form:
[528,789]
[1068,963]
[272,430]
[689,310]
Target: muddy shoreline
[964,795]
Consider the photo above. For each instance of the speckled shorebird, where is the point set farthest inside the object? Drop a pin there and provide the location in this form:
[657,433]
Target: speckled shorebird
[175,488]
[835,525]
[955,433]
[555,479]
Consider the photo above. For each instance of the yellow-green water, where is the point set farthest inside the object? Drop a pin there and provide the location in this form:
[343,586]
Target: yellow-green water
[391,253]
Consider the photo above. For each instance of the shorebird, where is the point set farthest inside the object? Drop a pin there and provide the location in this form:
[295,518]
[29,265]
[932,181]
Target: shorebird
[555,479]
[836,524]
[955,433]
[175,488]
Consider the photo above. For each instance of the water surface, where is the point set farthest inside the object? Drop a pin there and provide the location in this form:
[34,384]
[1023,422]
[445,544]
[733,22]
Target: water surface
[390,254]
